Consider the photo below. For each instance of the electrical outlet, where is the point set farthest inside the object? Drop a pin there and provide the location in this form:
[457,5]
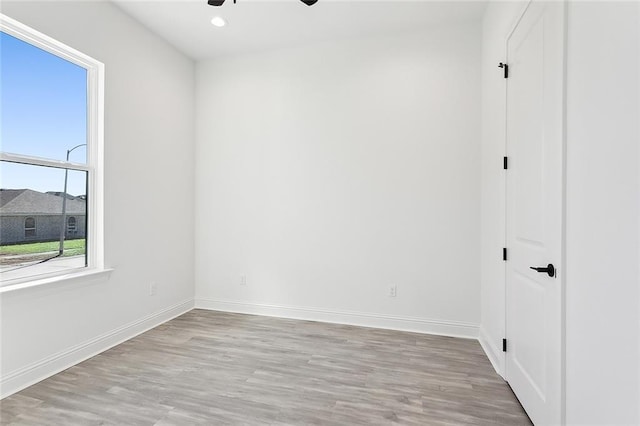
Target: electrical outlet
[243,279]
[153,287]
[393,290]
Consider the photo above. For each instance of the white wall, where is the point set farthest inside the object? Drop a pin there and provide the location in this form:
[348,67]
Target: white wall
[603,195]
[603,211]
[328,173]
[148,198]
[499,20]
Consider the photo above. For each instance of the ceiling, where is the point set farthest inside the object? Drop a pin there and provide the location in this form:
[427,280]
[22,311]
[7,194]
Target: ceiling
[255,25]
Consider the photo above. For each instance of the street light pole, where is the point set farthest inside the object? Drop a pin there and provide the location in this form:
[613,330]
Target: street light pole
[64,202]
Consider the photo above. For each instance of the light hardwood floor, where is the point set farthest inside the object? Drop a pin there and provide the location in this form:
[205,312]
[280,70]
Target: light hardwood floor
[218,368]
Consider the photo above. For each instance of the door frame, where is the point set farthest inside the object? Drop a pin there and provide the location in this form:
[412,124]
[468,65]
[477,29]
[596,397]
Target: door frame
[562,262]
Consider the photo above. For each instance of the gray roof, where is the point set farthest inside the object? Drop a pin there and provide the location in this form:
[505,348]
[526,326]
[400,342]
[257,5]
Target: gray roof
[28,202]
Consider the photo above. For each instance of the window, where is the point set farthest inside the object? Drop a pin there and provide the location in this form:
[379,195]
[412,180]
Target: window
[71,225]
[29,227]
[51,157]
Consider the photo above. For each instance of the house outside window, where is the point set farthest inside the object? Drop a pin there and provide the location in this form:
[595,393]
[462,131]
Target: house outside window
[51,130]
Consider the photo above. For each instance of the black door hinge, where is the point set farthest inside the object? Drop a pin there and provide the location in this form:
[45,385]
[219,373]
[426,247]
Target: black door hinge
[506,69]
[504,345]
[504,253]
[505,163]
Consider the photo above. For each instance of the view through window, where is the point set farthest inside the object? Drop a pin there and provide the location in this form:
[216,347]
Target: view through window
[44,172]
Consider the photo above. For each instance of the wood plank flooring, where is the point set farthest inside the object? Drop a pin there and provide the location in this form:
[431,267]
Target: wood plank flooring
[218,368]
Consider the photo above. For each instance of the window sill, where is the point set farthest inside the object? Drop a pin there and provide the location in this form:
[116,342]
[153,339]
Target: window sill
[87,275]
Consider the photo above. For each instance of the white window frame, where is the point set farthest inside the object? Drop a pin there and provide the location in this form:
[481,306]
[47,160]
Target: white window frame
[95,158]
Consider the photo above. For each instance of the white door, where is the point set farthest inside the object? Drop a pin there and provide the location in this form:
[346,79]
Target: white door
[535,209]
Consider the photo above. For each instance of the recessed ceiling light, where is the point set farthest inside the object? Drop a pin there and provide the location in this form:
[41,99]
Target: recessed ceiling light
[218,21]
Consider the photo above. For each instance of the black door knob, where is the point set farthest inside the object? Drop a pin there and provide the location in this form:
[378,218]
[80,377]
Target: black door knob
[549,269]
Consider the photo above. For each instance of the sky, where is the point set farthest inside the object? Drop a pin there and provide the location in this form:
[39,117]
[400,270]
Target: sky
[43,113]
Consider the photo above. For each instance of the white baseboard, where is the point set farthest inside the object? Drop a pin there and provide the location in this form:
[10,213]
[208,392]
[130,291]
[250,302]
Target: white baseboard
[418,325]
[40,370]
[493,352]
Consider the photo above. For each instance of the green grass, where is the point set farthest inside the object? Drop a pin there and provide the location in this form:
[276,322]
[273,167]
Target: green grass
[71,248]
